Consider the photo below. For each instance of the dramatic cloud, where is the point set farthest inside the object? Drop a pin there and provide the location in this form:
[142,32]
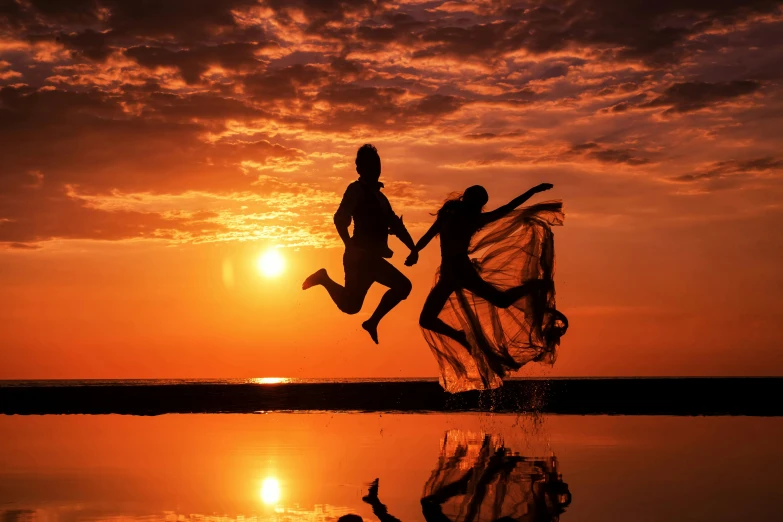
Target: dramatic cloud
[692,96]
[594,151]
[89,44]
[190,121]
[728,174]
[192,63]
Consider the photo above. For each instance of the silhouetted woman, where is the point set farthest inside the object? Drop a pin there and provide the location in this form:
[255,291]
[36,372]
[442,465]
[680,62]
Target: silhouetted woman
[479,479]
[507,317]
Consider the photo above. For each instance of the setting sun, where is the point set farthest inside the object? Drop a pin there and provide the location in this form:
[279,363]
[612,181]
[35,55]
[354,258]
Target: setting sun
[270,491]
[271,263]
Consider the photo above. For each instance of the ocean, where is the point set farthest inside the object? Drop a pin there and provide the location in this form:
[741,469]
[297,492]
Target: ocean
[581,396]
[390,450]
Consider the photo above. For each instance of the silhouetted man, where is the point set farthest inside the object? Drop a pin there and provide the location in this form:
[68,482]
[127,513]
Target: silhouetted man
[366,252]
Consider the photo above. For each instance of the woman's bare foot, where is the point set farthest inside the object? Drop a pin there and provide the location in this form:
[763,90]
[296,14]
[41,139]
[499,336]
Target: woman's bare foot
[314,279]
[372,329]
[495,364]
[512,363]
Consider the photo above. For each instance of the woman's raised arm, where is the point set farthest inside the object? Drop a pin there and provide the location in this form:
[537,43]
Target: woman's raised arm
[423,242]
[489,217]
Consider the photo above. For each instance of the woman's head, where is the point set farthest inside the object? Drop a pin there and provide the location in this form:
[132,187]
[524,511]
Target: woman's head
[472,200]
[475,197]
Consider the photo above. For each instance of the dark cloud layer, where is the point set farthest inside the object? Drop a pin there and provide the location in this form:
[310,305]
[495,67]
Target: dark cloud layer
[733,169]
[89,44]
[194,62]
[110,110]
[692,96]
[594,151]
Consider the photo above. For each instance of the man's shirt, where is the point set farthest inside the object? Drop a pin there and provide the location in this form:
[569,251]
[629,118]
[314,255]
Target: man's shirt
[372,215]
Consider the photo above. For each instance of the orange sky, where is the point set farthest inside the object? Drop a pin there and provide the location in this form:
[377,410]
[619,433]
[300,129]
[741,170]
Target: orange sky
[144,150]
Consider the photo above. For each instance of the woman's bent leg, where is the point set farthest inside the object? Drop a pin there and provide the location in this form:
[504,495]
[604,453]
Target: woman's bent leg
[502,298]
[429,320]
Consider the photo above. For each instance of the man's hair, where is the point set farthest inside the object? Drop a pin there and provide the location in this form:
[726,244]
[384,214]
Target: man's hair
[366,156]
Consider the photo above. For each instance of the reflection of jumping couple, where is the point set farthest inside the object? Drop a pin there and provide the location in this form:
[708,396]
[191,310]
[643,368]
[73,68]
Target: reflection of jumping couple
[502,488]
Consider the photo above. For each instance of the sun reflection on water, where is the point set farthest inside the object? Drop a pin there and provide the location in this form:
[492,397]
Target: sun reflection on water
[270,380]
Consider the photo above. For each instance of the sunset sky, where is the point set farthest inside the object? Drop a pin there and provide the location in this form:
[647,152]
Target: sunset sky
[151,151]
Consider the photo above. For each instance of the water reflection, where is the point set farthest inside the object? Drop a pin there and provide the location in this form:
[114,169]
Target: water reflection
[270,380]
[213,468]
[479,479]
[319,513]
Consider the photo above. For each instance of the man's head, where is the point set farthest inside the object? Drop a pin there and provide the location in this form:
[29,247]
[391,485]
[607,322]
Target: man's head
[368,163]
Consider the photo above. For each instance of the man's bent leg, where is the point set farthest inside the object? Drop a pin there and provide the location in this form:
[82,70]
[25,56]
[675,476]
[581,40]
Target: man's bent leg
[358,279]
[316,278]
[336,290]
[399,289]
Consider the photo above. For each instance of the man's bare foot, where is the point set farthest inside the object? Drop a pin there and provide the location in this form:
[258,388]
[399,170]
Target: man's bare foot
[372,329]
[314,279]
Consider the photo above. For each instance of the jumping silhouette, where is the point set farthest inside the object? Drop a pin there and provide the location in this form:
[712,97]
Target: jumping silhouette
[506,319]
[479,479]
[367,250]
[378,508]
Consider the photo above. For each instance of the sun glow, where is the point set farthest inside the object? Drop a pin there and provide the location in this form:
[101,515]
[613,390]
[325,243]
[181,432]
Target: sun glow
[271,263]
[270,380]
[270,491]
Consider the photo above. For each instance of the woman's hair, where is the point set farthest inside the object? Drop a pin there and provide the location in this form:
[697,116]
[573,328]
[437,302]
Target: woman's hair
[476,195]
[450,205]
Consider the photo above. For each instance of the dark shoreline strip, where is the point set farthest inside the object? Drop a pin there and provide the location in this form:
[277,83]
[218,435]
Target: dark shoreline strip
[642,396]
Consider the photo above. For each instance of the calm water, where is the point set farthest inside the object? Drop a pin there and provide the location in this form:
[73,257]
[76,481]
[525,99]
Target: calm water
[168,382]
[316,467]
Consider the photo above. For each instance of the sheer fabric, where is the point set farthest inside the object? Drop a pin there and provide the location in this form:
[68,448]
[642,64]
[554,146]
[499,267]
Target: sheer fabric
[505,253]
[478,479]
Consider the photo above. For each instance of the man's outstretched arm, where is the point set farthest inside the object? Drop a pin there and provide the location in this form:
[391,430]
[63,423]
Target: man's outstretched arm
[396,226]
[398,229]
[423,242]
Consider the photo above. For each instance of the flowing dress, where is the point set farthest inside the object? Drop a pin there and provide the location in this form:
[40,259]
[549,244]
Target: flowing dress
[505,253]
[479,479]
